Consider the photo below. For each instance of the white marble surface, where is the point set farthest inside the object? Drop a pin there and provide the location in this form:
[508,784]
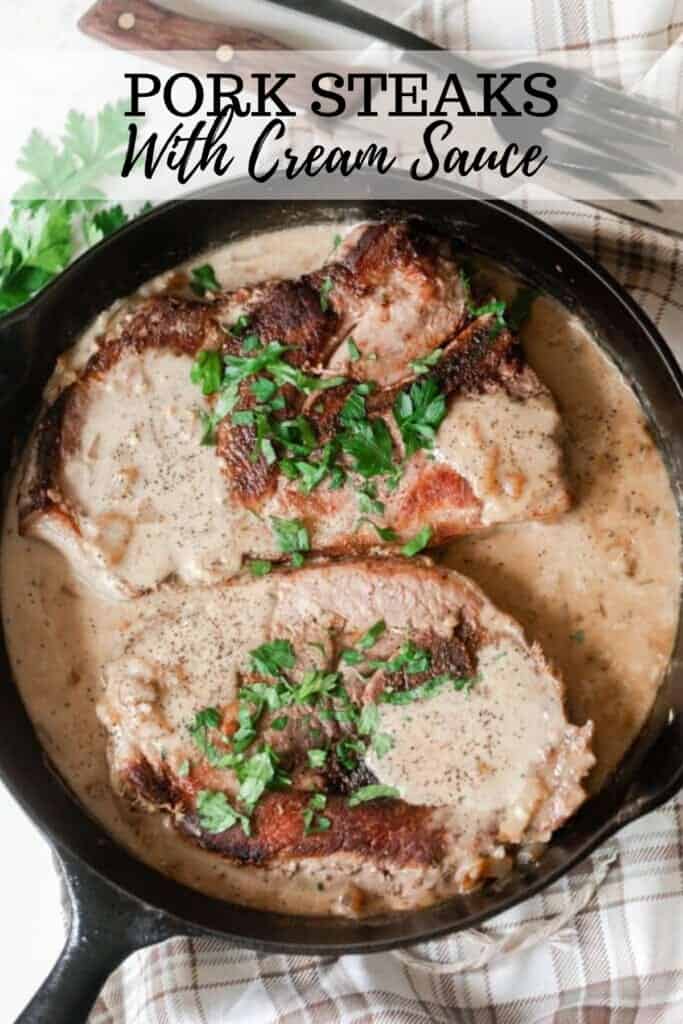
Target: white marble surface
[32,930]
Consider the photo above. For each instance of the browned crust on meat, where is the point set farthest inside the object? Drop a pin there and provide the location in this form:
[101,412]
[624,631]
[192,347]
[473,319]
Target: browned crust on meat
[37,493]
[473,359]
[380,831]
[292,312]
[149,785]
[166,321]
[381,248]
[251,479]
[437,487]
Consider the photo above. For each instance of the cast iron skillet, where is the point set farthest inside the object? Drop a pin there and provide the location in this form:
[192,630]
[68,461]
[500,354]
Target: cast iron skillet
[117,904]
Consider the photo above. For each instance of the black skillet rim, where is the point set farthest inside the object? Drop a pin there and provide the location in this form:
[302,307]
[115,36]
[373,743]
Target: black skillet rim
[627,797]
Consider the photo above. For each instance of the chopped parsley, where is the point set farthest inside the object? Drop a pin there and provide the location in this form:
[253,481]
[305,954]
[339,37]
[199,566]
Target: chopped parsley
[410,658]
[216,814]
[385,532]
[279,723]
[325,289]
[207,371]
[367,441]
[203,280]
[210,718]
[428,689]
[184,769]
[373,792]
[353,350]
[260,567]
[425,363]
[313,820]
[417,543]
[347,752]
[273,658]
[382,743]
[419,412]
[578,637]
[292,537]
[370,638]
[368,503]
[317,757]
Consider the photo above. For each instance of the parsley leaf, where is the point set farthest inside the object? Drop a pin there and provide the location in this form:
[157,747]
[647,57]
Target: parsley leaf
[56,211]
[255,775]
[382,743]
[351,657]
[91,149]
[368,503]
[317,757]
[260,567]
[33,248]
[425,363]
[370,638]
[419,412]
[216,813]
[347,752]
[418,543]
[203,280]
[385,532]
[207,371]
[292,537]
[104,223]
[373,792]
[354,351]
[369,719]
[314,822]
[410,658]
[272,658]
[369,444]
[428,689]
[325,289]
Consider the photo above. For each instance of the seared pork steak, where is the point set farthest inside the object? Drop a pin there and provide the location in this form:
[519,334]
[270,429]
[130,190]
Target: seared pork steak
[350,409]
[383,714]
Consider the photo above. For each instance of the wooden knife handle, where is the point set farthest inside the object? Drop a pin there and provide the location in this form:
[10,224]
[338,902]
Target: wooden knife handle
[142,25]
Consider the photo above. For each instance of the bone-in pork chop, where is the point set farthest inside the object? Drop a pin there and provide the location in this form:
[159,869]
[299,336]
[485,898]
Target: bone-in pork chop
[379,713]
[361,405]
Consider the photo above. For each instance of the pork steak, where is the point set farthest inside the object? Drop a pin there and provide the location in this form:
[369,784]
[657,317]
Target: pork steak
[352,409]
[381,716]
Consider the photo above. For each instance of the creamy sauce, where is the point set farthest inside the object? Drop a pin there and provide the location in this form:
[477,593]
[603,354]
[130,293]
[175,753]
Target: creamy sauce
[477,740]
[598,589]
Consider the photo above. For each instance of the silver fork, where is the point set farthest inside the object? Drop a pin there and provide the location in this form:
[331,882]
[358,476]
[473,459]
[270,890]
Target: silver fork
[608,122]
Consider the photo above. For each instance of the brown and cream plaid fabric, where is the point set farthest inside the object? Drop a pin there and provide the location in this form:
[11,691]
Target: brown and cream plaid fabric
[604,945]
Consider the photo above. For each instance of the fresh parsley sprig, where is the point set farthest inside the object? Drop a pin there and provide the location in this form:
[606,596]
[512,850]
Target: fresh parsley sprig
[60,210]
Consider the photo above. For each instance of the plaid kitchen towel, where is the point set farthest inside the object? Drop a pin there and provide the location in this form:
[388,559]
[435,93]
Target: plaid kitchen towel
[604,945]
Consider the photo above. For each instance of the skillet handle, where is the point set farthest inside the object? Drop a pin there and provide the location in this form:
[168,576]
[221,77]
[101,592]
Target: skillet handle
[104,927]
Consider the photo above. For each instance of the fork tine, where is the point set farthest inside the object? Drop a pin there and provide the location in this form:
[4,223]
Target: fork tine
[621,128]
[590,90]
[561,154]
[624,156]
[614,187]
